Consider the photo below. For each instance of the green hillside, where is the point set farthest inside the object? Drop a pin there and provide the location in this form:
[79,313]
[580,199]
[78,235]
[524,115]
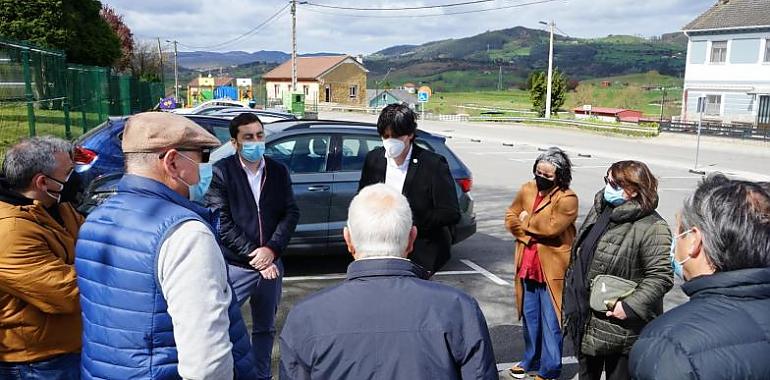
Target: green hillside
[473,63]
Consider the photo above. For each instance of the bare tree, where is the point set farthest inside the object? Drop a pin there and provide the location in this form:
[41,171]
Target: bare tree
[145,62]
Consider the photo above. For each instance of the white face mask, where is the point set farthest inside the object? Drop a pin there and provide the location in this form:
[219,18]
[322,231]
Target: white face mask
[393,147]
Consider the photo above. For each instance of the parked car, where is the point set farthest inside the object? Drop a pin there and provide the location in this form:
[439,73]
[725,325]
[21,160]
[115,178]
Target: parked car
[210,103]
[325,159]
[266,116]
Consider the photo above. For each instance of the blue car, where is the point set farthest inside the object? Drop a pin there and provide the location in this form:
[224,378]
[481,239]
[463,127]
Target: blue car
[325,159]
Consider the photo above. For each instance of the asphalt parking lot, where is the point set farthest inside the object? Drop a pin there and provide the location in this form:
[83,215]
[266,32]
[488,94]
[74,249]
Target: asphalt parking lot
[483,264]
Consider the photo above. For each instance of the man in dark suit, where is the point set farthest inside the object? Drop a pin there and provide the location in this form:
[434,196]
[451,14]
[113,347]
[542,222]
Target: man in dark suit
[258,215]
[420,175]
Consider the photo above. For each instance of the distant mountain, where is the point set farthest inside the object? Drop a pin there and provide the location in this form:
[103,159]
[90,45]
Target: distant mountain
[204,60]
[475,62]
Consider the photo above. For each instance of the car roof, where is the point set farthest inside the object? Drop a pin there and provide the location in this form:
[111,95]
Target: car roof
[334,125]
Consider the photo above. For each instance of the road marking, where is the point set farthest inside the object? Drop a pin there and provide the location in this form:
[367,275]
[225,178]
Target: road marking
[676,189]
[508,152]
[340,276]
[486,273]
[564,360]
[591,166]
[690,177]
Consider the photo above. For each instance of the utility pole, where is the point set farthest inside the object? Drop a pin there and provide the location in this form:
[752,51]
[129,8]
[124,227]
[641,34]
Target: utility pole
[550,74]
[176,74]
[500,80]
[662,103]
[176,71]
[162,77]
[293,45]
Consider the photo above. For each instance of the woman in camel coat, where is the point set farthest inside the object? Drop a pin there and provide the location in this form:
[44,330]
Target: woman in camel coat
[542,219]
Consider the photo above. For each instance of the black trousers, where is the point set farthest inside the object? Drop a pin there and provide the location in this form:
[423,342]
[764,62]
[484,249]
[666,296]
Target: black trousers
[615,366]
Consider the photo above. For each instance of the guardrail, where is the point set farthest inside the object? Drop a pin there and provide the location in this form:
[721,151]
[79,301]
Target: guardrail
[740,131]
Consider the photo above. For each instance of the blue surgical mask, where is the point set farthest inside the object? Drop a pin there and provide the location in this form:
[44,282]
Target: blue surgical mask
[253,151]
[205,173]
[677,266]
[614,196]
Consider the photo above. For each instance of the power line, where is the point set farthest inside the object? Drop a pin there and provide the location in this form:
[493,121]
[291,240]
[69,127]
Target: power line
[401,8]
[435,14]
[244,35]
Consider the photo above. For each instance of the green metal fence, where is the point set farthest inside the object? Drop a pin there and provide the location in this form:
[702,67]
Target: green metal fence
[40,94]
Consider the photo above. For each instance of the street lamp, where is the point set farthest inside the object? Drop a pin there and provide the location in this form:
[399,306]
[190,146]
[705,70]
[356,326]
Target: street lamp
[550,71]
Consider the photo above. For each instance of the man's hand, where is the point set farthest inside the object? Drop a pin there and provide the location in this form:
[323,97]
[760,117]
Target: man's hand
[617,311]
[270,273]
[262,257]
[524,214]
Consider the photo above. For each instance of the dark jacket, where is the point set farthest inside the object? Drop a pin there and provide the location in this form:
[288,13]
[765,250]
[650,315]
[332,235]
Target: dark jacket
[384,322]
[430,189]
[723,332]
[239,229]
[635,247]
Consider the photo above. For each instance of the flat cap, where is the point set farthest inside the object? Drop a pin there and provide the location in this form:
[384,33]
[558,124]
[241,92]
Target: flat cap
[150,132]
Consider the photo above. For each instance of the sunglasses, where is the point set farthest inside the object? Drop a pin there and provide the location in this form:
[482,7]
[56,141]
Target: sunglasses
[611,182]
[205,153]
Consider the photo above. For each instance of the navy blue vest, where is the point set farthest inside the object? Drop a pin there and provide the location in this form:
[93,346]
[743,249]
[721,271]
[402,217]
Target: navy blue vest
[127,331]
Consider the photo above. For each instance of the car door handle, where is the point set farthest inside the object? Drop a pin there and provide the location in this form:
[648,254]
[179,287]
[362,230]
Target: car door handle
[315,188]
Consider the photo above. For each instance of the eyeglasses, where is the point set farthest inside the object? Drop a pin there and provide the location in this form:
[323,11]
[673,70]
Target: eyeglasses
[611,182]
[205,153]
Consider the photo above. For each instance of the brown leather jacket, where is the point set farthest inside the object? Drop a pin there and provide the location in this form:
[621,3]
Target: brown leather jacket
[553,226]
[39,305]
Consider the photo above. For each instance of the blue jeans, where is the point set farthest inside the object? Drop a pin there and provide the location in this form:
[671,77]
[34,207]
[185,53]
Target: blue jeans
[542,334]
[264,297]
[61,367]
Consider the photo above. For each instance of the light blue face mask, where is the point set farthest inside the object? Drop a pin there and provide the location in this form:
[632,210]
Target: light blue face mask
[614,196]
[205,173]
[253,151]
[677,266]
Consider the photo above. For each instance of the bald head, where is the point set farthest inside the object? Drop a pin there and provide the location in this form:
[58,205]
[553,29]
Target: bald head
[379,223]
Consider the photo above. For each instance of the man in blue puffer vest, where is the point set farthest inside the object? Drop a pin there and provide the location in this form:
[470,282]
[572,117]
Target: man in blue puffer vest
[153,283]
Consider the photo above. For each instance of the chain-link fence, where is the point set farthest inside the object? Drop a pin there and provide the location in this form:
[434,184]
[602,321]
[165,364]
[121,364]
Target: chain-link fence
[40,94]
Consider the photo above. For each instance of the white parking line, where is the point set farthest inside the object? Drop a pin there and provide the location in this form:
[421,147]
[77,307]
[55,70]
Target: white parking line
[564,360]
[340,276]
[486,273]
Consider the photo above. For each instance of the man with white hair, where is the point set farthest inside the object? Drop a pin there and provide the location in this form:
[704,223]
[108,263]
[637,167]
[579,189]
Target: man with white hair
[384,321]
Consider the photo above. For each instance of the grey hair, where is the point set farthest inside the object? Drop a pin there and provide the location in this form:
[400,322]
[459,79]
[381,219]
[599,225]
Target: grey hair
[734,218]
[31,157]
[379,221]
[135,161]
[559,159]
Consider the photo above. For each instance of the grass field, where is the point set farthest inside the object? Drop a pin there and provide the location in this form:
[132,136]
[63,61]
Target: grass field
[14,123]
[637,91]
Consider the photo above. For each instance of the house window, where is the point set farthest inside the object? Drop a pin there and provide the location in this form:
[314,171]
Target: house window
[767,50]
[354,91]
[277,88]
[718,51]
[306,89]
[713,105]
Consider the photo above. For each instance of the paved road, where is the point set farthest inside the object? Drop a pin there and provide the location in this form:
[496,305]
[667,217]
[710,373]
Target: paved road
[483,264]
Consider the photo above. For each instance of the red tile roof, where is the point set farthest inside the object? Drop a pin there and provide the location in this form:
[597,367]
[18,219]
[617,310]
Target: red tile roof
[308,68]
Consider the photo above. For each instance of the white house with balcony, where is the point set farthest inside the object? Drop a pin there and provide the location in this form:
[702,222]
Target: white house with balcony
[728,63]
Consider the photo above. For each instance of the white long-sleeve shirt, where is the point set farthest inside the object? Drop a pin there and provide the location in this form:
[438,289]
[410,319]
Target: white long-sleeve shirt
[193,279]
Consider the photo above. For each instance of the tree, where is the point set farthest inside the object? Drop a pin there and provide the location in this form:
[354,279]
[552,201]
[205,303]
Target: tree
[145,61]
[115,21]
[539,88]
[70,25]
[90,41]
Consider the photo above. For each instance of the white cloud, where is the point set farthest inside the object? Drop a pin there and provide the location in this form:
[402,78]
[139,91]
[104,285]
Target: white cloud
[205,23]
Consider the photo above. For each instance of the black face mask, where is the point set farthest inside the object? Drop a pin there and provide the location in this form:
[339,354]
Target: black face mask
[72,189]
[543,183]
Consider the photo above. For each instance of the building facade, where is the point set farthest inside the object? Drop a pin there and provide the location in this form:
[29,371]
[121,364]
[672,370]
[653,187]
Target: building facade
[327,79]
[728,64]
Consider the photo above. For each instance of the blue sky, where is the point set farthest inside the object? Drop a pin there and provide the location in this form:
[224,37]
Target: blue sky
[199,23]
